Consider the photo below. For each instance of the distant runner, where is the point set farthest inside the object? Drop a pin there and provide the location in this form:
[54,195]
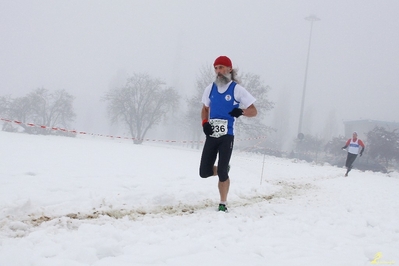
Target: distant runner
[354,145]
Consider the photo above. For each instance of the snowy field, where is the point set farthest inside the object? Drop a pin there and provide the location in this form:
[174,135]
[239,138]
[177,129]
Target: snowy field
[101,202]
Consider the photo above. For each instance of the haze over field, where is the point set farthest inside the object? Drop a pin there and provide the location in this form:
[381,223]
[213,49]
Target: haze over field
[87,47]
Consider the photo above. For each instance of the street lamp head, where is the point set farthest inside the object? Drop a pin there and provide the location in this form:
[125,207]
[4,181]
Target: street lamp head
[312,18]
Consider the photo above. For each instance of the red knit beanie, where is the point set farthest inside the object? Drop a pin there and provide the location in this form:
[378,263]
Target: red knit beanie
[224,61]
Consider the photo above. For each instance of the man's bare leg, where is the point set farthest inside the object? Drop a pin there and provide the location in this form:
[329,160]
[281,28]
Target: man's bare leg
[224,190]
[215,170]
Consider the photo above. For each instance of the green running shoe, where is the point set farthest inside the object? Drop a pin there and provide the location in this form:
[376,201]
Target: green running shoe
[222,208]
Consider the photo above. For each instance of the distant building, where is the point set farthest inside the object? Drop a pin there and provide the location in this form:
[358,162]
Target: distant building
[362,127]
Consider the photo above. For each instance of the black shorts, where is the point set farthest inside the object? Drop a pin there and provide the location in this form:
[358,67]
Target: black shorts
[350,159]
[223,147]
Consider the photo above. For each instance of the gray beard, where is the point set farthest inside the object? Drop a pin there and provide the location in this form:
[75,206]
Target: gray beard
[222,80]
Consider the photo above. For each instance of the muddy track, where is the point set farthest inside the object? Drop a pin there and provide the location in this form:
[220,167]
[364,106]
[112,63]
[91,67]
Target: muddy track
[288,191]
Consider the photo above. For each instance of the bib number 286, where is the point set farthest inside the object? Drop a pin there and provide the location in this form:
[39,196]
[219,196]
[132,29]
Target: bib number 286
[219,127]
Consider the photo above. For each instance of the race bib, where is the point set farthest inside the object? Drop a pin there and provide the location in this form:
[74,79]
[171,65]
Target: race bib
[219,127]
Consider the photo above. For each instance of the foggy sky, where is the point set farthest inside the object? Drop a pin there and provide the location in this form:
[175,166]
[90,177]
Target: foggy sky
[85,47]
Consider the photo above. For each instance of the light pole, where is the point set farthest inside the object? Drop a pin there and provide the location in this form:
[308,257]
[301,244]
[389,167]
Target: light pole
[311,18]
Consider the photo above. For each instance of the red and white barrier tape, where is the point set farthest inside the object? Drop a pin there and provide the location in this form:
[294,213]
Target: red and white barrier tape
[111,136]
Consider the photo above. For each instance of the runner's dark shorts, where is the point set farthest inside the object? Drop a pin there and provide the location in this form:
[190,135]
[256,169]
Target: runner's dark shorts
[222,146]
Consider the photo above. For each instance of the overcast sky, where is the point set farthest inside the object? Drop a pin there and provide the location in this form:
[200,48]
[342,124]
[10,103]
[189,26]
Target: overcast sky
[84,46]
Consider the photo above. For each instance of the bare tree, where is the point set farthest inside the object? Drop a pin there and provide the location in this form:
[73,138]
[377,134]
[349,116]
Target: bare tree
[308,148]
[20,110]
[193,116]
[256,125]
[4,106]
[140,104]
[51,109]
[334,146]
[5,112]
[41,107]
[383,145]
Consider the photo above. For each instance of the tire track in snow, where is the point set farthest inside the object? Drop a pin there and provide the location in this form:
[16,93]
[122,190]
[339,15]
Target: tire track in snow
[12,227]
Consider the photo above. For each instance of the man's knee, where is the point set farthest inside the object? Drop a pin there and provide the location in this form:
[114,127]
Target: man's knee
[223,174]
[223,177]
[205,174]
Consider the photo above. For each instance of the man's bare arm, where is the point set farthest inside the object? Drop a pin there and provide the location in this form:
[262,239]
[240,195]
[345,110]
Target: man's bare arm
[250,111]
[204,113]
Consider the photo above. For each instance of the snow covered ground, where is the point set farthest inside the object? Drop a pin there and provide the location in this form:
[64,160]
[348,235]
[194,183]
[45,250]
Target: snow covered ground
[96,201]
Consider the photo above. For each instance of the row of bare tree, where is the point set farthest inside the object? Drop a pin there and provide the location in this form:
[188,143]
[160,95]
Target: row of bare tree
[144,102]
[42,107]
[139,105]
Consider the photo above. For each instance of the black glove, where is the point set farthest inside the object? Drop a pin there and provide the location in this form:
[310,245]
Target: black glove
[361,152]
[207,128]
[344,147]
[236,112]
